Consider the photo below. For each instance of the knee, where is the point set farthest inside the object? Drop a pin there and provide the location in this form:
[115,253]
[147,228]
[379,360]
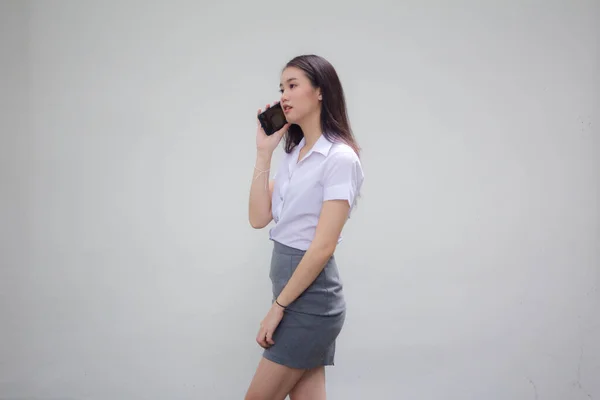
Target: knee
[254,395]
[301,396]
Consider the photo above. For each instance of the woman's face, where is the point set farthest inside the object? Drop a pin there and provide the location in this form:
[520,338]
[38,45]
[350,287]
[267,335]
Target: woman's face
[299,98]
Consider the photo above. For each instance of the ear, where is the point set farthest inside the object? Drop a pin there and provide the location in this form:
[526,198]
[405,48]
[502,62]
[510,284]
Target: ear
[319,94]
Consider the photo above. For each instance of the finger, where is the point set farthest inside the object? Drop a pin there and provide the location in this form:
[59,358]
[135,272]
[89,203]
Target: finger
[283,130]
[269,338]
[258,336]
[260,343]
[260,339]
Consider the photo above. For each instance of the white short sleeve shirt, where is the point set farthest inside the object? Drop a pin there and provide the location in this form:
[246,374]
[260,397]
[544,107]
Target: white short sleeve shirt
[329,171]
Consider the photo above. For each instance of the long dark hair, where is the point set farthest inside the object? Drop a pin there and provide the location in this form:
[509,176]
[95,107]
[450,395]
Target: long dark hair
[334,116]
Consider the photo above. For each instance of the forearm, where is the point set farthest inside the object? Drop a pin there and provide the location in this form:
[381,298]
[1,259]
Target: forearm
[260,195]
[313,262]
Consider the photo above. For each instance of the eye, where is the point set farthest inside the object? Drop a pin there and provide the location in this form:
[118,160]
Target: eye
[292,85]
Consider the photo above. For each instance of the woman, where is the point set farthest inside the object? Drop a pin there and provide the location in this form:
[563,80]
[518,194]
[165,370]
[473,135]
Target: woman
[309,199]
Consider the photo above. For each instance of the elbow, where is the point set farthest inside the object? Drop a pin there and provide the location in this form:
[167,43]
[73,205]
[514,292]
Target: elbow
[259,221]
[326,248]
[256,224]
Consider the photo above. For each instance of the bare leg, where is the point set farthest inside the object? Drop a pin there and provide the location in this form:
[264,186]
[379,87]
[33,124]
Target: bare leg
[272,381]
[311,386]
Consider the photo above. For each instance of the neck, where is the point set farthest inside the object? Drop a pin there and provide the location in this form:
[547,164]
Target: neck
[312,130]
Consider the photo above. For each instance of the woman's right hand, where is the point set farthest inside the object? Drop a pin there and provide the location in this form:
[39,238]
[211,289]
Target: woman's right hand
[267,144]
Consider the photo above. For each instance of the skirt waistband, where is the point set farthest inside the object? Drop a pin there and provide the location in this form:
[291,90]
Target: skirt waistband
[284,249]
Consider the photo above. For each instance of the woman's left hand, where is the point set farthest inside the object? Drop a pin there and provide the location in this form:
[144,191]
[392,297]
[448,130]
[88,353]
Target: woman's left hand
[268,325]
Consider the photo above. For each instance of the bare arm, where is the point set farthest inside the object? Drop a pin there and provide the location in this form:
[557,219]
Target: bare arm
[342,180]
[261,191]
[334,215]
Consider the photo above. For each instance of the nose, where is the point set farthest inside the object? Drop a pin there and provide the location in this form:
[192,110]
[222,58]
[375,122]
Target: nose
[284,97]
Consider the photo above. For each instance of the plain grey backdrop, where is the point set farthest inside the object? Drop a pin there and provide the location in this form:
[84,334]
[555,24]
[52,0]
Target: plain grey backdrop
[129,269]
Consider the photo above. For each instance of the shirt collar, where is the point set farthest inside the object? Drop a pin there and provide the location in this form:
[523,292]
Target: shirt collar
[323,145]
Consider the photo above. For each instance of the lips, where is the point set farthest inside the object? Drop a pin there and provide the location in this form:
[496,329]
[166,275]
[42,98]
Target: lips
[286,109]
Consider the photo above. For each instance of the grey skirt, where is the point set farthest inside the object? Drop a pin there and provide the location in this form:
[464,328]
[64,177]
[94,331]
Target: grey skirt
[305,338]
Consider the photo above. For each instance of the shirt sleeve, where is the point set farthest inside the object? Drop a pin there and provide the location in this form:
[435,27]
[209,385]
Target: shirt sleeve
[342,177]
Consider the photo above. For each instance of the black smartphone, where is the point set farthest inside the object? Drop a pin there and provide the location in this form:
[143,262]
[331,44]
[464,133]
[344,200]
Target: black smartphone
[272,119]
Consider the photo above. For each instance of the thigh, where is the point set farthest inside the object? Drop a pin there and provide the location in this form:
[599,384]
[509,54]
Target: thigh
[272,381]
[311,385]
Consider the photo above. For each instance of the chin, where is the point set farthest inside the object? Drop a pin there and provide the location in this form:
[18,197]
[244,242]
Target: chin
[294,117]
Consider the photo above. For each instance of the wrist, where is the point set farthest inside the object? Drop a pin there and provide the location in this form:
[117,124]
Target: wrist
[263,161]
[264,156]
[279,304]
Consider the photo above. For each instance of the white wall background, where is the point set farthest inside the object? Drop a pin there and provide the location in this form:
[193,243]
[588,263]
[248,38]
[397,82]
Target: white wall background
[129,270]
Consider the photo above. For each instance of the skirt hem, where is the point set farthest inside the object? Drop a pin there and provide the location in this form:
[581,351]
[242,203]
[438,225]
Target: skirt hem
[290,364]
